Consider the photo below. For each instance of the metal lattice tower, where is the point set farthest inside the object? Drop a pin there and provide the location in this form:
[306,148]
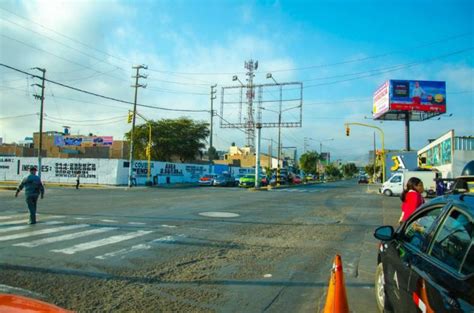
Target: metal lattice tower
[249,120]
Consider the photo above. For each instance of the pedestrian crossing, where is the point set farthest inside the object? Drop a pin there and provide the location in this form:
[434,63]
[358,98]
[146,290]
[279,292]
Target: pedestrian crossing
[59,235]
[296,190]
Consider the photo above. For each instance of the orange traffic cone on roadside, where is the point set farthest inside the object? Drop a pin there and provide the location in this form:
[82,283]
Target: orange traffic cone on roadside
[336,300]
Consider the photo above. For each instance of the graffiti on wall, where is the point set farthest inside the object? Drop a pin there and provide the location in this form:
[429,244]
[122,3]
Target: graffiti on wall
[86,170]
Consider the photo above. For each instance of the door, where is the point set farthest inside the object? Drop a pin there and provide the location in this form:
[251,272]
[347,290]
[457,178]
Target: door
[402,255]
[439,279]
[396,184]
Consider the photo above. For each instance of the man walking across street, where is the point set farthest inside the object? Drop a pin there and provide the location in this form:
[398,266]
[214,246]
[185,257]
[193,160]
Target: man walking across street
[33,189]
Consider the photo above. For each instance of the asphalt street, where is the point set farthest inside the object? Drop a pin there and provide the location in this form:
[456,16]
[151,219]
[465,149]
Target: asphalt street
[194,249]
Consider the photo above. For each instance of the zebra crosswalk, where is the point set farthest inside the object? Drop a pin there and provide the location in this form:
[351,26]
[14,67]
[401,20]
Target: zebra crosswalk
[60,235]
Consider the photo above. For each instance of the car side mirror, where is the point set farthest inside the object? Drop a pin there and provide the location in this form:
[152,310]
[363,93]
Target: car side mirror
[385,233]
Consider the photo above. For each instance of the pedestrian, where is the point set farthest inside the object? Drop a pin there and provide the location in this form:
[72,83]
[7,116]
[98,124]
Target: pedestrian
[78,176]
[33,189]
[411,198]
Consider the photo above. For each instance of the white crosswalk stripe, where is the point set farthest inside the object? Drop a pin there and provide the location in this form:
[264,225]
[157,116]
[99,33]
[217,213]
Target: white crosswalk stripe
[13,228]
[296,190]
[49,240]
[41,232]
[142,246]
[101,242]
[11,216]
[46,217]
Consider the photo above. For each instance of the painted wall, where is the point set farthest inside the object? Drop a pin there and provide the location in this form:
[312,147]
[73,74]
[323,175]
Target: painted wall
[110,171]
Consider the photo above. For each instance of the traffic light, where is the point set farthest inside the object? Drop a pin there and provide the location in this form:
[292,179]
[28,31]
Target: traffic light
[130,117]
[348,130]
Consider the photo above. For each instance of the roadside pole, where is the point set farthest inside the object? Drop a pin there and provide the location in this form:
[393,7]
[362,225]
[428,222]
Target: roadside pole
[257,156]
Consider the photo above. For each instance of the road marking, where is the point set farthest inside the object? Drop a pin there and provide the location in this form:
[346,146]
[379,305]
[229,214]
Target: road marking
[168,226]
[13,228]
[219,214]
[41,232]
[14,222]
[101,242]
[142,246]
[123,252]
[12,216]
[45,241]
[109,221]
[136,223]
[25,221]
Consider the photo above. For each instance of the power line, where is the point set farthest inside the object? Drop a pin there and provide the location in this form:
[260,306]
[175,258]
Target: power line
[102,96]
[232,73]
[67,37]
[59,57]
[17,116]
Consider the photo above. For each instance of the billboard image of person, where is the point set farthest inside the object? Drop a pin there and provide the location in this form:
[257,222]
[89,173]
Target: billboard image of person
[417,95]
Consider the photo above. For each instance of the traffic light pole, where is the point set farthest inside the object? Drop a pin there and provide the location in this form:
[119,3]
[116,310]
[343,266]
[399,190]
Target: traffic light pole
[382,142]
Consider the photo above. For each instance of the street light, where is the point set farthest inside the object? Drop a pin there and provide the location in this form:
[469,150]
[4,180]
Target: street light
[269,75]
[236,78]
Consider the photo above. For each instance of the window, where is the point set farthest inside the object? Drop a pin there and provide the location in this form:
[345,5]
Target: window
[416,232]
[453,240]
[468,265]
[396,179]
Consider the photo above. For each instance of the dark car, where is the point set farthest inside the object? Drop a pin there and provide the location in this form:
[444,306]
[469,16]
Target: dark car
[428,262]
[363,180]
[224,181]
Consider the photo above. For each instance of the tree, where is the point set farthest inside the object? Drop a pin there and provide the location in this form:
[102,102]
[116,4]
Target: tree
[332,171]
[309,161]
[182,138]
[349,169]
[369,169]
[212,154]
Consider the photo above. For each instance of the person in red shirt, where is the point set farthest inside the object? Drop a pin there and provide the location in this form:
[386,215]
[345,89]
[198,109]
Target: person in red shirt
[411,198]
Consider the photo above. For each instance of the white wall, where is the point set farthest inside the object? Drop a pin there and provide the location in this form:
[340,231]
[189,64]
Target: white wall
[109,172]
[93,171]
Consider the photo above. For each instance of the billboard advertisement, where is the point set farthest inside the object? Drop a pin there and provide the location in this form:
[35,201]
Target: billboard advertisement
[410,95]
[381,100]
[87,141]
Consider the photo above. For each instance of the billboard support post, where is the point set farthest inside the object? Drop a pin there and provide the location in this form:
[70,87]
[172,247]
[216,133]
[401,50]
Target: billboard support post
[407,131]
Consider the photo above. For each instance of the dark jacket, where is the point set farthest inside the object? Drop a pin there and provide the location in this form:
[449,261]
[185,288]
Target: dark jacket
[32,185]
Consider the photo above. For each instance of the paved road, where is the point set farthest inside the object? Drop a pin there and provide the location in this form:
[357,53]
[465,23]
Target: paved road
[168,250]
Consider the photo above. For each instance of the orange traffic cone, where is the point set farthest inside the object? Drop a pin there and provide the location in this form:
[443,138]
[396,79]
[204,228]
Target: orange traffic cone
[336,301]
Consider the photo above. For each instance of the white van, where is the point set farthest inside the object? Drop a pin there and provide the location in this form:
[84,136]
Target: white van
[395,184]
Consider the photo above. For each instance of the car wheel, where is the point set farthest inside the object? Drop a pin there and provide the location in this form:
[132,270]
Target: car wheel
[388,192]
[380,288]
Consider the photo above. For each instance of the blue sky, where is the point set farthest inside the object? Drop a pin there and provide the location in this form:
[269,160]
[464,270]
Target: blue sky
[189,45]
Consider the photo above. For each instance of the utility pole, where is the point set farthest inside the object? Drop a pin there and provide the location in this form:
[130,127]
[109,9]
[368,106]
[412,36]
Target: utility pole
[136,86]
[40,146]
[257,156]
[375,161]
[213,97]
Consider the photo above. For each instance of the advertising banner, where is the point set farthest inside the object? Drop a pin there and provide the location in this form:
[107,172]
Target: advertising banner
[90,141]
[417,95]
[72,141]
[381,100]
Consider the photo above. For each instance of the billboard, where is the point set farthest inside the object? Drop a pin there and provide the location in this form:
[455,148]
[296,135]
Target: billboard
[87,141]
[396,96]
